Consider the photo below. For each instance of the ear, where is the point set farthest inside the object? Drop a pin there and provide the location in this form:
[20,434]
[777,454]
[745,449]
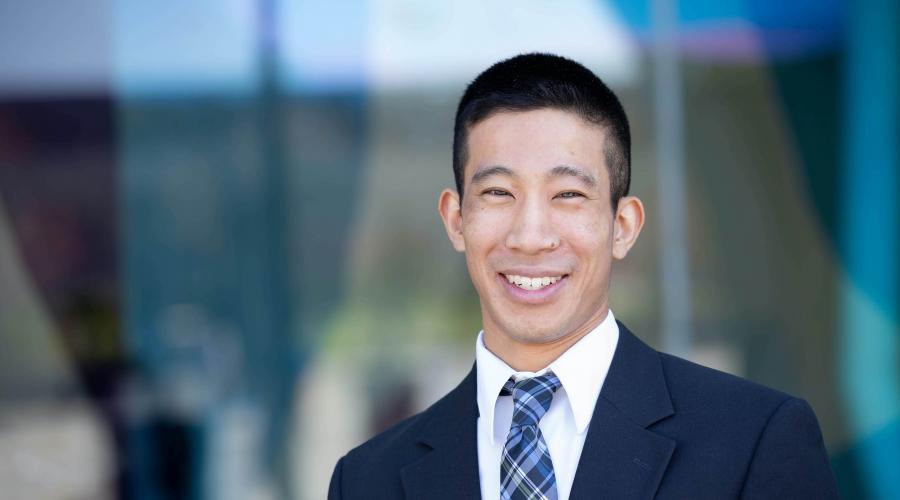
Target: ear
[628,224]
[451,213]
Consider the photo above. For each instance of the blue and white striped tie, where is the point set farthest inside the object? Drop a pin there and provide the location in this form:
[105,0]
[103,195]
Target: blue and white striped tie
[526,471]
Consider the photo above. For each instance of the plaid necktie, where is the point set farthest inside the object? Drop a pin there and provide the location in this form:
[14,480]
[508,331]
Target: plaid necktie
[526,471]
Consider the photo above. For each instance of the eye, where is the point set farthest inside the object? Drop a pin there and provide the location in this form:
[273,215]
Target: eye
[496,192]
[569,195]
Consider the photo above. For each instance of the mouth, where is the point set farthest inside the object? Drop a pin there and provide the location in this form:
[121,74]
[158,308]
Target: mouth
[532,289]
[531,283]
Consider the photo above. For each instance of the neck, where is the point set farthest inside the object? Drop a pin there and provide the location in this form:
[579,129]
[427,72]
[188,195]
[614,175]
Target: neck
[532,356]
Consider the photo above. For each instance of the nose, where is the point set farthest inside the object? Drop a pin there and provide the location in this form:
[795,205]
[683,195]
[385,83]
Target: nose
[532,230]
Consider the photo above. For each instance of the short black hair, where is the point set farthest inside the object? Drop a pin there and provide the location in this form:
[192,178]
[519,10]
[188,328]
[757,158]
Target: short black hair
[534,81]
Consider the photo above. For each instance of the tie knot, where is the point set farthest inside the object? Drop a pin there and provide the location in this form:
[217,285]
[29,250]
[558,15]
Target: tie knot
[531,398]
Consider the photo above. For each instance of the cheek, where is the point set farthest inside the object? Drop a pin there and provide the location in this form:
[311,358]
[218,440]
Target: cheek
[482,230]
[590,242]
[587,233]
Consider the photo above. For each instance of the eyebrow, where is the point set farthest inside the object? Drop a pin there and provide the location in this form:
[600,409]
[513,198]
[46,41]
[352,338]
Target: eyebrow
[569,171]
[484,172]
[559,171]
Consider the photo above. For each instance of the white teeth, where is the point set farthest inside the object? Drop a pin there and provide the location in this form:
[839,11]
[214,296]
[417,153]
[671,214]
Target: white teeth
[536,283]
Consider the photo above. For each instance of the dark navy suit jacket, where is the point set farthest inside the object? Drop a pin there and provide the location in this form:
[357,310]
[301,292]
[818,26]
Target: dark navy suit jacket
[663,427]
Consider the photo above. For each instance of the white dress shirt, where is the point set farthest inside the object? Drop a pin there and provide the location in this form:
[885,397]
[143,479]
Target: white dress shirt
[581,371]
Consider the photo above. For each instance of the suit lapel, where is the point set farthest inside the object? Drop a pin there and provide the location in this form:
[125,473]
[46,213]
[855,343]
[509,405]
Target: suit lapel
[450,469]
[621,459]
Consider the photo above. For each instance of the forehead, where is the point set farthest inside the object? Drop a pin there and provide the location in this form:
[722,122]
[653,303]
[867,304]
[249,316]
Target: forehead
[536,141]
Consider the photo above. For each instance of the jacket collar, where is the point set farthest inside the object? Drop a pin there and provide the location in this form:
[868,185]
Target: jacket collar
[636,384]
[621,457]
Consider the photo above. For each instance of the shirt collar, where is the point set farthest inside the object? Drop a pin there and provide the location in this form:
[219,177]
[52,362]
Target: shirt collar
[581,370]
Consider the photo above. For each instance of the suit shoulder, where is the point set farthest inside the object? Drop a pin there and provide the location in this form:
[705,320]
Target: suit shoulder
[399,442]
[388,442]
[369,470]
[697,387]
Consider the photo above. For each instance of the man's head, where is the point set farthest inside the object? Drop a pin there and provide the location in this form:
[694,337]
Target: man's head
[541,149]
[535,81]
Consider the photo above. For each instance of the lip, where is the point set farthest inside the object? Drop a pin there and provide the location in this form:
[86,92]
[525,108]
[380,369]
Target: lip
[531,272]
[544,295]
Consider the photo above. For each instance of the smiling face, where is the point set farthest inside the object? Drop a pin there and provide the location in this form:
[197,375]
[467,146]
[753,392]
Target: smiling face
[537,227]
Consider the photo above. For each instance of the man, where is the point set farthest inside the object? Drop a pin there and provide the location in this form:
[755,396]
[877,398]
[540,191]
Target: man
[563,401]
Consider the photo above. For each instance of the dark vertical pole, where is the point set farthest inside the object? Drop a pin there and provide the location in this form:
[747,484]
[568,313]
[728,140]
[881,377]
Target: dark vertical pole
[675,264]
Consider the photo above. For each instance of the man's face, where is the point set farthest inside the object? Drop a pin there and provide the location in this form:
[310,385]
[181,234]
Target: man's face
[536,224]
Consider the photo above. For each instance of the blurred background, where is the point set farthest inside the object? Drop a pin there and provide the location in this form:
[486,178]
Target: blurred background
[221,264]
